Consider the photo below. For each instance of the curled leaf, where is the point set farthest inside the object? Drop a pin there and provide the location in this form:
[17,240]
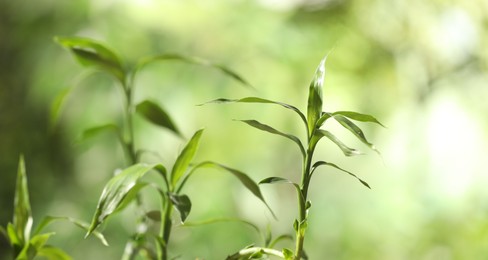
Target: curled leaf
[182,203]
[320,163]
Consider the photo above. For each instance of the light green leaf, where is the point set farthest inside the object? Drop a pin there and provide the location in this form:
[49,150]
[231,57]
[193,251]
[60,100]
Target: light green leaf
[353,128]
[97,130]
[323,117]
[156,115]
[49,219]
[22,221]
[192,60]
[53,253]
[185,157]
[318,134]
[314,107]
[269,129]
[287,253]
[261,100]
[275,180]
[31,249]
[115,192]
[13,237]
[182,203]
[91,53]
[279,239]
[216,220]
[358,117]
[320,163]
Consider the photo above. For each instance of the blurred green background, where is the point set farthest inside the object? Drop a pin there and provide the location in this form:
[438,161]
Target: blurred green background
[421,67]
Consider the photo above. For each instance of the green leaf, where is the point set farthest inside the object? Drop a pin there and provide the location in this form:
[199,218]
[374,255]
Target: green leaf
[278,180]
[270,129]
[182,203]
[185,157]
[216,220]
[323,117]
[116,191]
[90,53]
[97,130]
[346,123]
[191,60]
[13,237]
[287,253]
[318,134]
[320,163]
[53,253]
[358,117]
[280,238]
[156,115]
[49,219]
[3,232]
[261,100]
[242,177]
[31,249]
[154,215]
[22,221]
[314,107]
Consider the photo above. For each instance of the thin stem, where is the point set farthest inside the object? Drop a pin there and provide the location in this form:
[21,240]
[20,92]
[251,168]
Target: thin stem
[166,225]
[253,250]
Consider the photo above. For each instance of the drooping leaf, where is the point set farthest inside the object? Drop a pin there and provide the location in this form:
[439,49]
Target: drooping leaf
[270,129]
[275,180]
[191,60]
[263,101]
[314,107]
[117,189]
[320,163]
[91,53]
[216,220]
[156,115]
[53,253]
[278,239]
[318,134]
[81,224]
[323,117]
[22,220]
[358,117]
[97,130]
[185,157]
[353,128]
[182,203]
[242,177]
[31,249]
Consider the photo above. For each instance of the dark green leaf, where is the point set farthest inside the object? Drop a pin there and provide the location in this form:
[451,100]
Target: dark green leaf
[116,191]
[22,221]
[185,157]
[216,220]
[269,129]
[358,117]
[182,203]
[156,115]
[53,253]
[273,180]
[260,100]
[4,233]
[314,107]
[192,60]
[318,134]
[90,53]
[320,163]
[353,128]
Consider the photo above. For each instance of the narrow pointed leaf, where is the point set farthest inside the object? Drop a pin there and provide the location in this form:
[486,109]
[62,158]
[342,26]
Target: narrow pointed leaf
[358,117]
[156,115]
[217,220]
[269,129]
[97,130]
[53,253]
[191,60]
[320,163]
[57,105]
[22,221]
[185,157]
[323,117]
[90,53]
[314,107]
[353,128]
[274,180]
[318,134]
[182,203]
[116,191]
[13,237]
[263,101]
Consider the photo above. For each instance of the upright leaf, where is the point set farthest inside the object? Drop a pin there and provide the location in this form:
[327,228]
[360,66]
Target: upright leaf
[22,221]
[156,115]
[31,249]
[320,163]
[185,157]
[314,107]
[353,128]
[182,203]
[91,53]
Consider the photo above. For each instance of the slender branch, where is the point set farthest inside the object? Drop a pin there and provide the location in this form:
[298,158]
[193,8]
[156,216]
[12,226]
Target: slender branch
[254,250]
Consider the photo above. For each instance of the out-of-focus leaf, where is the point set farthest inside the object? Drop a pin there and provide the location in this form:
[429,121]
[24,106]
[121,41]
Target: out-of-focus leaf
[13,237]
[319,133]
[216,220]
[353,128]
[116,191]
[49,219]
[192,60]
[274,180]
[320,163]
[91,53]
[314,107]
[185,157]
[156,115]
[182,203]
[97,130]
[278,239]
[31,249]
[243,178]
[263,101]
[358,117]
[154,215]
[270,129]
[287,253]
[3,232]
[22,221]
[53,253]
